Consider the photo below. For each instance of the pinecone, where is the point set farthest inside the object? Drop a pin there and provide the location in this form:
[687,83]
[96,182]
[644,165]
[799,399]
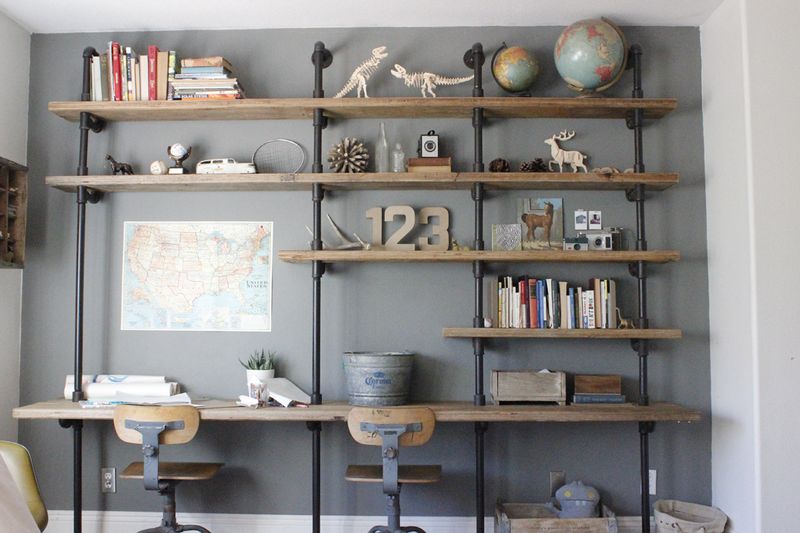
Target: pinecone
[537,165]
[499,165]
[350,155]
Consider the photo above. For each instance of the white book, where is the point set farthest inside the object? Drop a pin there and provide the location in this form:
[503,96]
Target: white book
[550,297]
[144,78]
[590,310]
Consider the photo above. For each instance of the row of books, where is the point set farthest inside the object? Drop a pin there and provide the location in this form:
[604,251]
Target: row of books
[120,74]
[527,302]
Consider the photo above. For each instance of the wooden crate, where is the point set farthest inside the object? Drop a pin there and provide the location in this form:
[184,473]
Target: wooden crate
[538,518]
[528,386]
[13,212]
[598,384]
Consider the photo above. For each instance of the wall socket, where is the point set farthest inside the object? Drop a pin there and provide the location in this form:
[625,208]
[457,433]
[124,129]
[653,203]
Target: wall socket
[108,480]
[653,477]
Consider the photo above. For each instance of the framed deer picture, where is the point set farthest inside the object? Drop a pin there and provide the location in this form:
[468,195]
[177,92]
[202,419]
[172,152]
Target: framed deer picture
[542,223]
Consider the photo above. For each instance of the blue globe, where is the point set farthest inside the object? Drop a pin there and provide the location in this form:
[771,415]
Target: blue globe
[590,55]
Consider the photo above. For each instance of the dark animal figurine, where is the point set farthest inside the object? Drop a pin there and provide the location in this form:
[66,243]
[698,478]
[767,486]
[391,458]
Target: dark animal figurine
[119,168]
[539,221]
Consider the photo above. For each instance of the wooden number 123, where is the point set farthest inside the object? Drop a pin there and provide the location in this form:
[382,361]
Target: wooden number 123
[440,229]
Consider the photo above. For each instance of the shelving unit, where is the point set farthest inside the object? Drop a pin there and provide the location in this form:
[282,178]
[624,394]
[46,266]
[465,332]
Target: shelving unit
[13,212]
[92,116]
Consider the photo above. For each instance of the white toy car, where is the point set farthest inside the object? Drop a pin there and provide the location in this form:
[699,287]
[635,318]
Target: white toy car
[224,166]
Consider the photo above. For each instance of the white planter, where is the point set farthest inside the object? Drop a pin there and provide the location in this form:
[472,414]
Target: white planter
[260,375]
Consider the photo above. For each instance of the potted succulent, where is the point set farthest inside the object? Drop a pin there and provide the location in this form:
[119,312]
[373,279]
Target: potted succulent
[260,366]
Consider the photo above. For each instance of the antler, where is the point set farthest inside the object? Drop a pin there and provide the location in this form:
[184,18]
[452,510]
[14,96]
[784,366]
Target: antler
[564,136]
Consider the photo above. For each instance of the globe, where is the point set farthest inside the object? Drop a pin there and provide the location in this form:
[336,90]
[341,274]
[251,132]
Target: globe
[514,69]
[590,55]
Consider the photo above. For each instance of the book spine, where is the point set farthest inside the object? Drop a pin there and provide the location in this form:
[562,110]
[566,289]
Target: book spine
[152,72]
[598,398]
[129,73]
[116,67]
[104,78]
[171,71]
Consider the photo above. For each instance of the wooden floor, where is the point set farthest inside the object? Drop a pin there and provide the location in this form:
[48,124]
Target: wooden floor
[220,410]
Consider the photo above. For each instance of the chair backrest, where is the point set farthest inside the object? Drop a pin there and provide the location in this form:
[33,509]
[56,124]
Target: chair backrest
[18,460]
[156,413]
[391,415]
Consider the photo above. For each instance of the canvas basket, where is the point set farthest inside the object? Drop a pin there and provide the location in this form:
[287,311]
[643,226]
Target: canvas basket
[673,516]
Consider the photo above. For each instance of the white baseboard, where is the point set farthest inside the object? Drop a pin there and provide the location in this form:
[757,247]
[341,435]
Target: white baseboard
[131,522]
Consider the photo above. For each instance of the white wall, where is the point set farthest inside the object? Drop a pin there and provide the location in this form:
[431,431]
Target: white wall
[750,115]
[15,53]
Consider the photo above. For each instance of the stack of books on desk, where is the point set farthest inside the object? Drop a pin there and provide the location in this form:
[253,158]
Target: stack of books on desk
[206,78]
[597,389]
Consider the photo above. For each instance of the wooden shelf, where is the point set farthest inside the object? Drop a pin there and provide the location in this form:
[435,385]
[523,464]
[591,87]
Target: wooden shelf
[394,107]
[451,256]
[513,333]
[367,181]
[445,412]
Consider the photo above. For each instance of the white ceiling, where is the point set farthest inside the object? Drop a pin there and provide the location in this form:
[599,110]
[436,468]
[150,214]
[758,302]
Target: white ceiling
[68,16]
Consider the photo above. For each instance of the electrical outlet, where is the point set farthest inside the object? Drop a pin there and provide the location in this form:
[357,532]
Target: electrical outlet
[653,477]
[557,480]
[108,480]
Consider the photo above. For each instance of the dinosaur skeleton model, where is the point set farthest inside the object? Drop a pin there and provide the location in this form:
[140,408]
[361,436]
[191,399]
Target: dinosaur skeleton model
[426,81]
[358,79]
[346,243]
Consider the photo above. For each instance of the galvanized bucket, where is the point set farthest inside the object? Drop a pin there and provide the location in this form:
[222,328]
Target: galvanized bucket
[377,379]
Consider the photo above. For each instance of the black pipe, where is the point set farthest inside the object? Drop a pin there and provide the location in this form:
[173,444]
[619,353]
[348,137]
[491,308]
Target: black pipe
[480,433]
[321,58]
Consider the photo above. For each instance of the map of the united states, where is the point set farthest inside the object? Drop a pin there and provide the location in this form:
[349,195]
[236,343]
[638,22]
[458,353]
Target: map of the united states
[197,276]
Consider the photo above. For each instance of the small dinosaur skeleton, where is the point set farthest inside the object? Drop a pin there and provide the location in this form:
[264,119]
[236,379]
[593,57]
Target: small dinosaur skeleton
[426,81]
[358,79]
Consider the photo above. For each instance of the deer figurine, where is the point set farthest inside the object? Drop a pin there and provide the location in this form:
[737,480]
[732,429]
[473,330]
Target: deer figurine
[560,156]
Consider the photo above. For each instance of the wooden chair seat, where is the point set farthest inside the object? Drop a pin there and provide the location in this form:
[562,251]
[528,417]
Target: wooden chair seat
[174,471]
[414,474]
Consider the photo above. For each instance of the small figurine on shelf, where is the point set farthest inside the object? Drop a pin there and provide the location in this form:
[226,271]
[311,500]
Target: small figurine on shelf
[362,73]
[426,81]
[560,157]
[178,153]
[158,167]
[499,165]
[119,168]
[459,247]
[349,155]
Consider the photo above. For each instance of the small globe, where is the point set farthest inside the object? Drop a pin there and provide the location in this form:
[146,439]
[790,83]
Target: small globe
[177,150]
[515,69]
[590,55]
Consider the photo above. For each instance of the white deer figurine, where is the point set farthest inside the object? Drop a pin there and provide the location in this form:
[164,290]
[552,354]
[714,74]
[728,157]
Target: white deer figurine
[561,156]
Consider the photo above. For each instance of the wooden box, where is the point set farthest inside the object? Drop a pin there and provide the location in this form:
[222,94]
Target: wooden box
[528,386]
[13,212]
[539,518]
[598,384]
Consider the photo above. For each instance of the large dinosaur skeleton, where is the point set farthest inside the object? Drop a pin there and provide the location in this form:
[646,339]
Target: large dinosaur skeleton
[426,81]
[358,79]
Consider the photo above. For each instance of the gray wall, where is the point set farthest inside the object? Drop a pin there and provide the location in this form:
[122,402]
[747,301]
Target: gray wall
[365,307]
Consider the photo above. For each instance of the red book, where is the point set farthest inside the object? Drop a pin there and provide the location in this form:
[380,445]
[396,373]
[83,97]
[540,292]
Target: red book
[152,72]
[117,71]
[533,308]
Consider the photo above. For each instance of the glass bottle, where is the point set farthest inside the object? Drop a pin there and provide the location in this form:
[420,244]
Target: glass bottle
[382,152]
[398,159]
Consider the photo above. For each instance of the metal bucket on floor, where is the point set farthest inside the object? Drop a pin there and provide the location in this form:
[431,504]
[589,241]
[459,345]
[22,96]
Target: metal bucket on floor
[378,379]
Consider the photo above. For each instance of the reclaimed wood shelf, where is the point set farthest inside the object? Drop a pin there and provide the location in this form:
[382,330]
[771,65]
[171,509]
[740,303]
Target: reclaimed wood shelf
[453,256]
[368,181]
[392,107]
[218,410]
[544,333]
[13,213]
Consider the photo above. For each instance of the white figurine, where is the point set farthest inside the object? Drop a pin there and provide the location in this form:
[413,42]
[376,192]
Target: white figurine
[571,157]
[345,242]
[426,81]
[358,79]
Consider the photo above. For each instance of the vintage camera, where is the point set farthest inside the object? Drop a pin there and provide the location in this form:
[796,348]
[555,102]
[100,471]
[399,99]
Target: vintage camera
[576,244]
[605,239]
[428,145]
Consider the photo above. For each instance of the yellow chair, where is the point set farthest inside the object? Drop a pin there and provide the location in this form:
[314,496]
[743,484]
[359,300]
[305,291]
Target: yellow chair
[18,461]
[391,428]
[152,426]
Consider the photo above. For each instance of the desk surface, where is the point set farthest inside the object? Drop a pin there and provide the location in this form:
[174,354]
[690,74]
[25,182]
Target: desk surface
[337,412]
